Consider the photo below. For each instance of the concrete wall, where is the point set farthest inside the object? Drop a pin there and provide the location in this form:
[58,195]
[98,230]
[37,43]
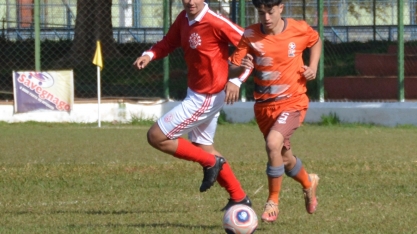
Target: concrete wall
[388,114]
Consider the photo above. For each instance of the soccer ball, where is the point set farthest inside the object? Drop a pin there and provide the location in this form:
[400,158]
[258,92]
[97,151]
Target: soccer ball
[240,219]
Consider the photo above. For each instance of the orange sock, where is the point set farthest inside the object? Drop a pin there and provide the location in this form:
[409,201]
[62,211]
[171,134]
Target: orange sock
[274,184]
[190,152]
[228,180]
[303,178]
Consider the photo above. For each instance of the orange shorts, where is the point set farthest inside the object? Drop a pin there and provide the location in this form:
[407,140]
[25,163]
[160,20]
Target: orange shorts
[284,116]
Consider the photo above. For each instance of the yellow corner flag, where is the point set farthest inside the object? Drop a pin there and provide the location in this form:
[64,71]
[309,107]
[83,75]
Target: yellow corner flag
[98,58]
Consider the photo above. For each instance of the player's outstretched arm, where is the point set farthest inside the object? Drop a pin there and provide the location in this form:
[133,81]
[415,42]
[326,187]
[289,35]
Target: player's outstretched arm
[237,75]
[246,64]
[142,61]
[311,70]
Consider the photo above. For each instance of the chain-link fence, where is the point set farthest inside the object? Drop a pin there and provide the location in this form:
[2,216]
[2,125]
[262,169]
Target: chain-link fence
[360,40]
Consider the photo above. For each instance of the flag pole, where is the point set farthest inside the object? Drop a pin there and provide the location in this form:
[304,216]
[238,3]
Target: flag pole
[98,95]
[98,61]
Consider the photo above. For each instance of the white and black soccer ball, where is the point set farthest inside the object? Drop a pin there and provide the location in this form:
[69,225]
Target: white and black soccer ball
[240,219]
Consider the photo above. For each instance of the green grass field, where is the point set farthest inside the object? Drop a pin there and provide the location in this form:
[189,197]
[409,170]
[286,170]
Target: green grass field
[77,178]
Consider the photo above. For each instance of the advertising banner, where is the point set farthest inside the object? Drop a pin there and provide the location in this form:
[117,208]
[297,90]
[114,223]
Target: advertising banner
[46,90]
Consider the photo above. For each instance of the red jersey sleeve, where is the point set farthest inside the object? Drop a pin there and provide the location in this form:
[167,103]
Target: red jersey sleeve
[170,41]
[230,32]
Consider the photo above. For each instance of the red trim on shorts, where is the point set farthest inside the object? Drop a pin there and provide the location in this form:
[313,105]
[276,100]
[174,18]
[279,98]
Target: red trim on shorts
[193,118]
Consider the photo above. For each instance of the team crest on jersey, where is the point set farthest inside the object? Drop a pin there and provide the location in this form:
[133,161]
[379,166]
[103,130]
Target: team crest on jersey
[291,49]
[195,40]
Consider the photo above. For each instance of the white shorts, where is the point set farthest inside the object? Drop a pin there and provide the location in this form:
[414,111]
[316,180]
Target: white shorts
[196,115]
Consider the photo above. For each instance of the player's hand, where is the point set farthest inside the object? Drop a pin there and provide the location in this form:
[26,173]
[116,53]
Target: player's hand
[247,62]
[142,61]
[309,73]
[232,93]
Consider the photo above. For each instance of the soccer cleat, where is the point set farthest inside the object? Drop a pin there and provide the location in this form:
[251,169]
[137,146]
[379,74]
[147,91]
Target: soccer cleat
[245,201]
[270,213]
[310,194]
[211,173]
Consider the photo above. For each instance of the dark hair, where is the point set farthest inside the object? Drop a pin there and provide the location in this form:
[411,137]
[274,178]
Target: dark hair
[266,3]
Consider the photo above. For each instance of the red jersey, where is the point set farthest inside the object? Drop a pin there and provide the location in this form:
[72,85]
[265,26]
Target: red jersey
[278,59]
[205,42]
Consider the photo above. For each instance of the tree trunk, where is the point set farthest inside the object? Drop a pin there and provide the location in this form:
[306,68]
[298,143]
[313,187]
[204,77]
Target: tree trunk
[93,22]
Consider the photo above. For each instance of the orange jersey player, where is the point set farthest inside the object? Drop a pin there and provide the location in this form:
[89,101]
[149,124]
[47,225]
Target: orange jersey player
[273,48]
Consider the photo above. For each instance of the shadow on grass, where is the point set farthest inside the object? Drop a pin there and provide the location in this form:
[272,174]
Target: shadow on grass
[155,225]
[124,212]
[95,212]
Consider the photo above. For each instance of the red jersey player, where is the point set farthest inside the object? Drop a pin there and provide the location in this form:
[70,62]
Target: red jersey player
[276,46]
[204,36]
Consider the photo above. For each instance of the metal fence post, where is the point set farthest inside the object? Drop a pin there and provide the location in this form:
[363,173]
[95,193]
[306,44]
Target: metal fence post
[320,81]
[166,59]
[37,35]
[400,41]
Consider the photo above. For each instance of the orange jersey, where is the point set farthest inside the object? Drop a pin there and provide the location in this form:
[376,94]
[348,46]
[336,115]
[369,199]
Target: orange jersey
[278,62]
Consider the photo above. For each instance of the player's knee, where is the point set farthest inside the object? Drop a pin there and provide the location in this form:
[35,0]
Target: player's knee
[273,146]
[150,138]
[274,141]
[153,136]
